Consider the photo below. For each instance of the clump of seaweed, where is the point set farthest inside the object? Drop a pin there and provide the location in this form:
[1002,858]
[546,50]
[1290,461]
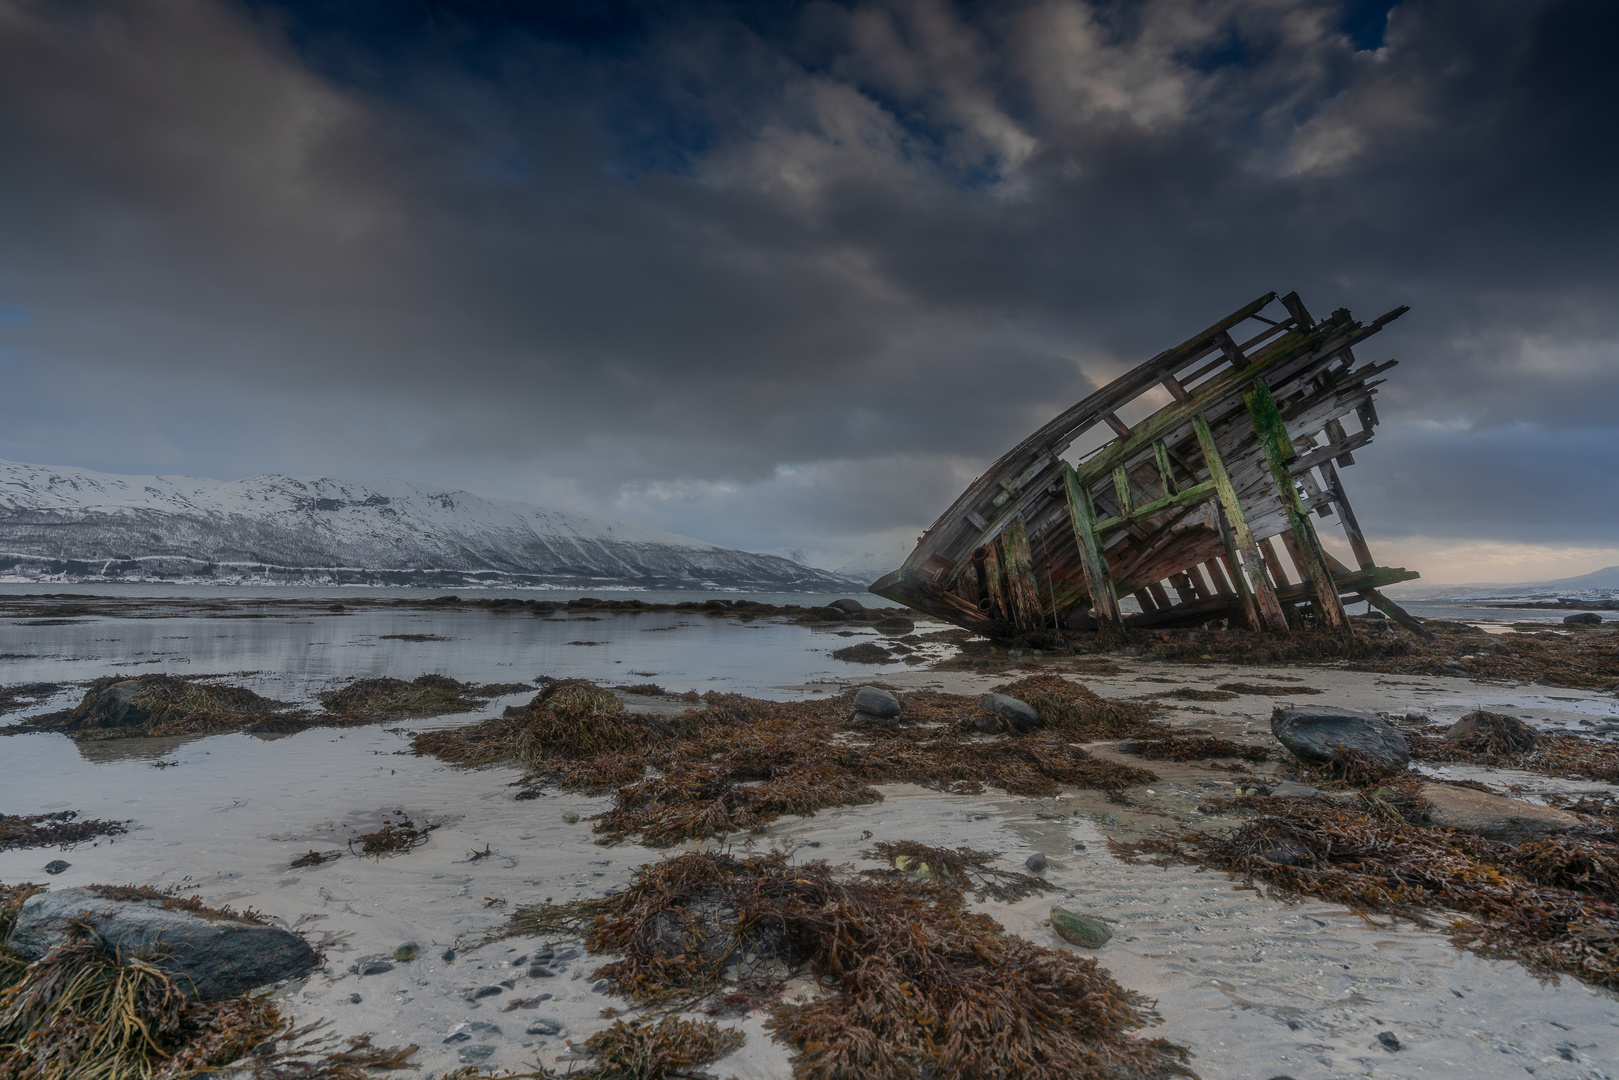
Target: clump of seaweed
[1548,903]
[1075,710]
[1587,660]
[313,858]
[866,652]
[1198,748]
[171,900]
[161,704]
[83,1013]
[1505,742]
[12,965]
[956,869]
[426,695]
[641,1050]
[736,764]
[61,828]
[394,838]
[913,984]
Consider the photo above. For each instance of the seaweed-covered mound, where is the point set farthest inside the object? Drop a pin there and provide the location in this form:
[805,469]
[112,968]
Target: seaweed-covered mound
[1551,903]
[83,1012]
[1484,738]
[1077,711]
[735,764]
[161,704]
[912,983]
[426,695]
[1588,659]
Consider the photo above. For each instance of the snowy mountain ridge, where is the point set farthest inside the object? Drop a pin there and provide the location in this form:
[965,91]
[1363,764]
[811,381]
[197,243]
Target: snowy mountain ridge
[77,524]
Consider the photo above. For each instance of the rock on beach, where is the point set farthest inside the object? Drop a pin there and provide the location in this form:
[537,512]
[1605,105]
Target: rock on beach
[1020,715]
[1081,930]
[878,704]
[215,957]
[1317,735]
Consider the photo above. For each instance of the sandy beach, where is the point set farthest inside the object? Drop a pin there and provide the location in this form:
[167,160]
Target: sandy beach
[1253,986]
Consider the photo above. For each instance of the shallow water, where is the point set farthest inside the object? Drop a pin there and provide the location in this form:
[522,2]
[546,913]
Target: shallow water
[293,655]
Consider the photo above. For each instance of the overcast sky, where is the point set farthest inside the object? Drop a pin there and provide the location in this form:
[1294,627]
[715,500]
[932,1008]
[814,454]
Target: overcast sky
[786,275]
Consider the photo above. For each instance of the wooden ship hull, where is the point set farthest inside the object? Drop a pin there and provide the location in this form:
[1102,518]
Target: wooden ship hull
[1181,509]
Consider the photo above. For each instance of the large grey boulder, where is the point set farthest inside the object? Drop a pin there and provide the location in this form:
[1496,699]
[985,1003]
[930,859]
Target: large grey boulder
[1316,735]
[1494,817]
[1584,618]
[1018,714]
[215,957]
[848,607]
[880,704]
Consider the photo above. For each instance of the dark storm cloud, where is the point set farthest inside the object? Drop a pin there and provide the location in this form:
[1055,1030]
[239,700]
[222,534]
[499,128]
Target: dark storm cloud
[773,274]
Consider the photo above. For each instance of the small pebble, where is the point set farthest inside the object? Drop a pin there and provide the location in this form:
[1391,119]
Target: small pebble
[376,967]
[1079,846]
[459,1036]
[355,999]
[480,1052]
[544,1027]
[448,956]
[1389,1039]
[489,991]
[571,818]
[407,952]
[56,866]
[1036,863]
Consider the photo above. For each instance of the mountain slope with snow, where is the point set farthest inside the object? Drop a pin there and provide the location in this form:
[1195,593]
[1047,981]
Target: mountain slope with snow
[89,525]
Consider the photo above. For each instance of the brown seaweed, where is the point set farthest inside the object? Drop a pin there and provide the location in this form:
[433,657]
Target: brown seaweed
[1550,903]
[61,828]
[911,982]
[736,764]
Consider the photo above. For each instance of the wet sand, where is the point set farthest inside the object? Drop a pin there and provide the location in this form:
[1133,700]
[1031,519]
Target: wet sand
[1255,987]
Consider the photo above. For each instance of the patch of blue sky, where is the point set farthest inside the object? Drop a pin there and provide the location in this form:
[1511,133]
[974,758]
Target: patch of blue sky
[11,315]
[1366,21]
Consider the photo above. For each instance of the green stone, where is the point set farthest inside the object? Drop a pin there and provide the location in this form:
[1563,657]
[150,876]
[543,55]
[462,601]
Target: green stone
[571,818]
[407,952]
[1077,929]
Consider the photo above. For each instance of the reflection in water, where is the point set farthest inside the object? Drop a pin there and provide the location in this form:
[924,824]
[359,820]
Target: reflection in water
[294,656]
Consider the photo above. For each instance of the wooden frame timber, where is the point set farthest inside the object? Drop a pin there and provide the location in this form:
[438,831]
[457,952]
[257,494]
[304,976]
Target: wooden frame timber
[1180,509]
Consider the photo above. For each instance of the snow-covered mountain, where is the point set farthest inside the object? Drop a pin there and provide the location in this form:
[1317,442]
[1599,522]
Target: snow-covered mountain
[74,524]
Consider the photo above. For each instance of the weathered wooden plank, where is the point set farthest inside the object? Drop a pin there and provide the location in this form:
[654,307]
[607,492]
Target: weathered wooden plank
[1370,576]
[1346,518]
[1267,610]
[1124,492]
[1082,516]
[1190,497]
[1166,472]
[1000,609]
[1321,343]
[1022,588]
[1278,449]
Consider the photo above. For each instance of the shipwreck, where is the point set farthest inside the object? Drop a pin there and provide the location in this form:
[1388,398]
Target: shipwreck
[1240,435]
